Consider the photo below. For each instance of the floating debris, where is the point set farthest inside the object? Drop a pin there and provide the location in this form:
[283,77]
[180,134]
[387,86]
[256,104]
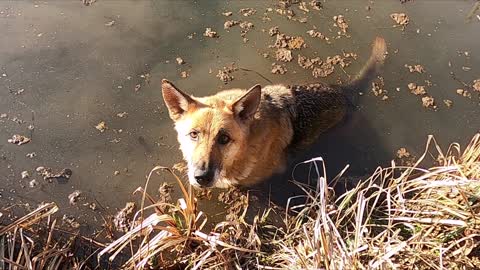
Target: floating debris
[19,139]
[476,85]
[225,74]
[400,19]
[378,88]
[273,31]
[403,153]
[247,11]
[230,23]
[184,74]
[284,41]
[308,63]
[284,55]
[47,173]
[74,196]
[278,69]
[101,126]
[415,68]
[464,93]
[340,22]
[416,89]
[227,14]
[210,33]
[110,23]
[316,34]
[31,155]
[137,87]
[122,114]
[33,183]
[428,101]
[25,174]
[180,61]
[323,70]
[448,102]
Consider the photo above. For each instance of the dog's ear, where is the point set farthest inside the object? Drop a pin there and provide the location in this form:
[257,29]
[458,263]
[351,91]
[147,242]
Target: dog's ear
[177,101]
[246,106]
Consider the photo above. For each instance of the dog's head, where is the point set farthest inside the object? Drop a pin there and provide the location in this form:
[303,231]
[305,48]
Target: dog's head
[212,132]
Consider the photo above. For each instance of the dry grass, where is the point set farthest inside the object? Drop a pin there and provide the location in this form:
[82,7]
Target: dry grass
[401,217]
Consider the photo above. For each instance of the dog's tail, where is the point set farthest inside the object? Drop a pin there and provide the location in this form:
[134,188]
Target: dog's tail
[369,70]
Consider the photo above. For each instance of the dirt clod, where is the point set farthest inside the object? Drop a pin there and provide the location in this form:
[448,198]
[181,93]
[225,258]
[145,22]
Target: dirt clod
[227,14]
[184,74]
[308,63]
[448,103]
[230,23]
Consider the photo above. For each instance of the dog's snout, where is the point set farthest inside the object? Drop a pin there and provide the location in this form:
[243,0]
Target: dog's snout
[203,176]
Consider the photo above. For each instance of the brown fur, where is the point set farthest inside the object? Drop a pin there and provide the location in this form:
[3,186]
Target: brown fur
[260,125]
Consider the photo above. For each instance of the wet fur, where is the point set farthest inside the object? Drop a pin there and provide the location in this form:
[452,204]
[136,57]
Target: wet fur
[286,118]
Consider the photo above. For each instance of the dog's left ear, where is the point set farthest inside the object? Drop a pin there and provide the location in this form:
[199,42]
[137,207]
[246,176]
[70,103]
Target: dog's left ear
[177,101]
[246,106]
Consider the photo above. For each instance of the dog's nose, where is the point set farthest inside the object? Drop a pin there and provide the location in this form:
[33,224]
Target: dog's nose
[203,177]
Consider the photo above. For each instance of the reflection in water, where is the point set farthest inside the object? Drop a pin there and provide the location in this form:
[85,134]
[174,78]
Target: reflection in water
[77,69]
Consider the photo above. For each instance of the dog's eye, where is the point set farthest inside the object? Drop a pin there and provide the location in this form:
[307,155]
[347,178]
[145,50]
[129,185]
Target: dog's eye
[224,139]
[193,135]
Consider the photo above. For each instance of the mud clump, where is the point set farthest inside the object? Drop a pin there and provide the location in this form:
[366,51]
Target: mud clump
[417,90]
[284,55]
[308,63]
[415,68]
[102,126]
[225,74]
[278,69]
[273,31]
[340,22]
[247,12]
[464,93]
[124,217]
[74,197]
[323,70]
[292,43]
[229,24]
[428,102]
[448,103]
[210,33]
[378,88]
[19,139]
[48,174]
[476,85]
[315,34]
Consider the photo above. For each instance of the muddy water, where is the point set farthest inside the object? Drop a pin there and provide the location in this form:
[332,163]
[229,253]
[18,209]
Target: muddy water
[76,70]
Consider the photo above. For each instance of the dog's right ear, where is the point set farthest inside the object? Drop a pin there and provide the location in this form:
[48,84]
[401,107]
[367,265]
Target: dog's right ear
[177,101]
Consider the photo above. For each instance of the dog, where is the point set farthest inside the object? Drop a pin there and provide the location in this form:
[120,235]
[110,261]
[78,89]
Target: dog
[239,137]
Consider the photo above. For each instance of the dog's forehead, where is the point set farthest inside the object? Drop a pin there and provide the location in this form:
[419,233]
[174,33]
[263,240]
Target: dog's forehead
[212,119]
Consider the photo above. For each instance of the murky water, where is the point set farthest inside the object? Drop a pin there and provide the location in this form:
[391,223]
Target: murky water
[76,71]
